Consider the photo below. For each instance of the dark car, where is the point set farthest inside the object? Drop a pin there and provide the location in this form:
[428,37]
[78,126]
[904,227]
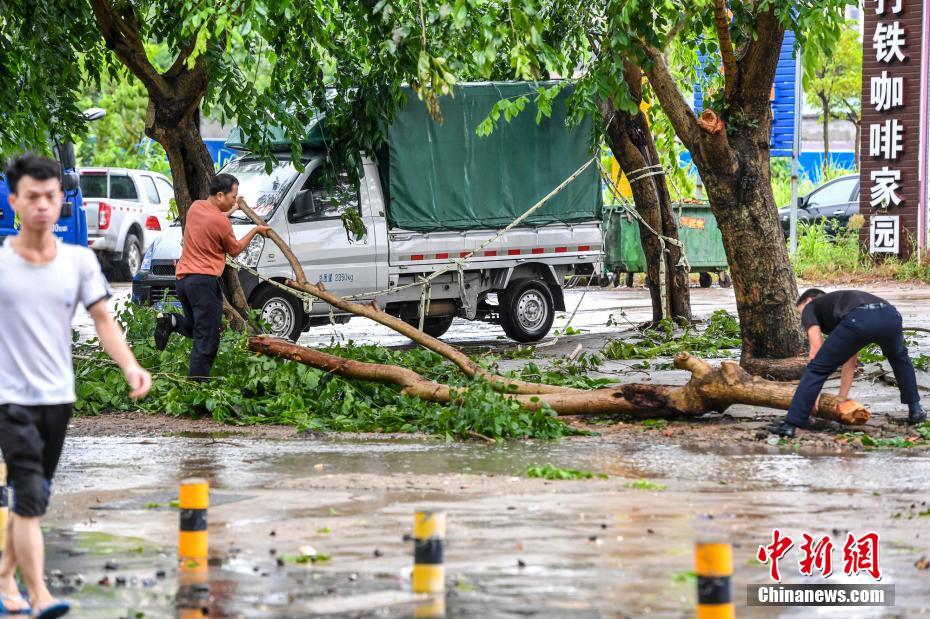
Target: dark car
[835,201]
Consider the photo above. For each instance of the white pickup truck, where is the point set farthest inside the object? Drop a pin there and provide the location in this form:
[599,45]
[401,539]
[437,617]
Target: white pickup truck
[126,211]
[516,281]
[434,194]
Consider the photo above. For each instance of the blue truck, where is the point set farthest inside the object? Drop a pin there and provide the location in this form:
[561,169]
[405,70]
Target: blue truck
[71,227]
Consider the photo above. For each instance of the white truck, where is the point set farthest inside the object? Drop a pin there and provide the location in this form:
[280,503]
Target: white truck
[126,211]
[515,281]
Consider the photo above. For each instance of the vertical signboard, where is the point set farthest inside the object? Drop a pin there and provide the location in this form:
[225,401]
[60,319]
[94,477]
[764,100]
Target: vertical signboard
[890,196]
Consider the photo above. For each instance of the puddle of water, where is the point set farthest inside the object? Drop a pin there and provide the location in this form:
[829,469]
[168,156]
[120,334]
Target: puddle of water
[89,463]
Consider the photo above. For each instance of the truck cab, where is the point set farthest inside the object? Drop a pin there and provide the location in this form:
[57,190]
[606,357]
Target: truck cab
[71,227]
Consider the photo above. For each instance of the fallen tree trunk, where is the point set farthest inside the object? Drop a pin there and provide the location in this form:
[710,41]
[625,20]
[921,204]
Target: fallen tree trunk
[709,389]
[373,312]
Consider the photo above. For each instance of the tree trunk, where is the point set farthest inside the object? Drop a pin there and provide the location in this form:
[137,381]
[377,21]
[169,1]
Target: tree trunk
[732,158]
[191,165]
[710,389]
[173,115]
[742,201]
[630,139]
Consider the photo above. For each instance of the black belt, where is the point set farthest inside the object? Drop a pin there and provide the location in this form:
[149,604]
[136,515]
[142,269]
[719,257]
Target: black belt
[874,306]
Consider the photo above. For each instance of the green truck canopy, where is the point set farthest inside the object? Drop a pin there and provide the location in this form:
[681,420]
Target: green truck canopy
[445,176]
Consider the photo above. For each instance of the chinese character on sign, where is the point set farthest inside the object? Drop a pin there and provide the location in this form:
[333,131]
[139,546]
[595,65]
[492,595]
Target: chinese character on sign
[880,8]
[817,556]
[887,92]
[886,139]
[885,188]
[888,42]
[861,555]
[884,238]
[773,552]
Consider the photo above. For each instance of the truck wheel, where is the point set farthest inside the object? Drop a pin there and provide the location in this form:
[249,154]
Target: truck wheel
[434,327]
[282,312]
[705,280]
[724,279]
[526,310]
[127,268]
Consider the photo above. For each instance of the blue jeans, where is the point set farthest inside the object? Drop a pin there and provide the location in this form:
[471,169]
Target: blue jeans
[858,329]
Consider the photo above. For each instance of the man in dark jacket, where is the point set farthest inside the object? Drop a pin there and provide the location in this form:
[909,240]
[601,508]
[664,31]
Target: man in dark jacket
[853,320]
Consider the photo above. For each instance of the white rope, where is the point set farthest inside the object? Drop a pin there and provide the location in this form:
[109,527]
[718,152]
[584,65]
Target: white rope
[425,283]
[639,174]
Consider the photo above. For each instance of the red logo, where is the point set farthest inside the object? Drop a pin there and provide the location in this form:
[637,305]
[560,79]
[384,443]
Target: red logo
[773,552]
[859,555]
[817,556]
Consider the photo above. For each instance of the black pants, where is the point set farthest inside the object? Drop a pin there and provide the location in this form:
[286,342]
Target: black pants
[31,438]
[201,297]
[858,329]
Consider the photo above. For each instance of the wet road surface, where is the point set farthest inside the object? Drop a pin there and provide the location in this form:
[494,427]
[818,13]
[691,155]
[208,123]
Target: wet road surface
[516,547]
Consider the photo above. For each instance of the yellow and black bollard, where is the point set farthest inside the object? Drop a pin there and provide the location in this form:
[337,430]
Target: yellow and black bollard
[193,598]
[713,562]
[193,500]
[193,548]
[429,532]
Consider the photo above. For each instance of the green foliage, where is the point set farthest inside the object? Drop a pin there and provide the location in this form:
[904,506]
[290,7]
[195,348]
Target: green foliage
[552,472]
[820,254]
[833,78]
[781,181]
[655,424]
[251,389]
[645,484]
[688,576]
[720,337]
[912,269]
[897,442]
[41,78]
[563,372]
[118,139]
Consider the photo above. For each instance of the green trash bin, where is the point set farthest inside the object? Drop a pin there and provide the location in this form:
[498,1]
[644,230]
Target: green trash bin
[697,229]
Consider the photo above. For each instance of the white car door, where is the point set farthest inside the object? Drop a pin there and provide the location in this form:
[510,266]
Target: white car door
[328,253]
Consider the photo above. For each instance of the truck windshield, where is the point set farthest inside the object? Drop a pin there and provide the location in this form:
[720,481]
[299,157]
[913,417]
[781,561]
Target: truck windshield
[262,191]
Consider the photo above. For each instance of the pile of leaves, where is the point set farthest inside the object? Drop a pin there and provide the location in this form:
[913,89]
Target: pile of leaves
[251,389]
[552,472]
[920,435]
[721,338]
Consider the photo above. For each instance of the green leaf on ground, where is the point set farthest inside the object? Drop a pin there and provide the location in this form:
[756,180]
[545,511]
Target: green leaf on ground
[550,471]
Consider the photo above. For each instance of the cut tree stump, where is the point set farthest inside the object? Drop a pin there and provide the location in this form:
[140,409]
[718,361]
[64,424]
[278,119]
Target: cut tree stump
[710,389]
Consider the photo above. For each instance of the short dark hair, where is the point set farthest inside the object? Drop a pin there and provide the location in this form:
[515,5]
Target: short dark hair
[810,293]
[34,166]
[222,183]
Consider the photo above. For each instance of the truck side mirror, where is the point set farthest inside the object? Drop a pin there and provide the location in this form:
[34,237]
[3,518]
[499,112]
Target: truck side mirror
[66,155]
[70,181]
[303,204]
[802,202]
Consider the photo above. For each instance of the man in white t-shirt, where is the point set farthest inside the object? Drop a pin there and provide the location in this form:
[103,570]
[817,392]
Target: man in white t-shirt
[42,280]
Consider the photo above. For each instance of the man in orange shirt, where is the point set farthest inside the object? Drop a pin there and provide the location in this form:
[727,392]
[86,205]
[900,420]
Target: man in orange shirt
[208,237]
